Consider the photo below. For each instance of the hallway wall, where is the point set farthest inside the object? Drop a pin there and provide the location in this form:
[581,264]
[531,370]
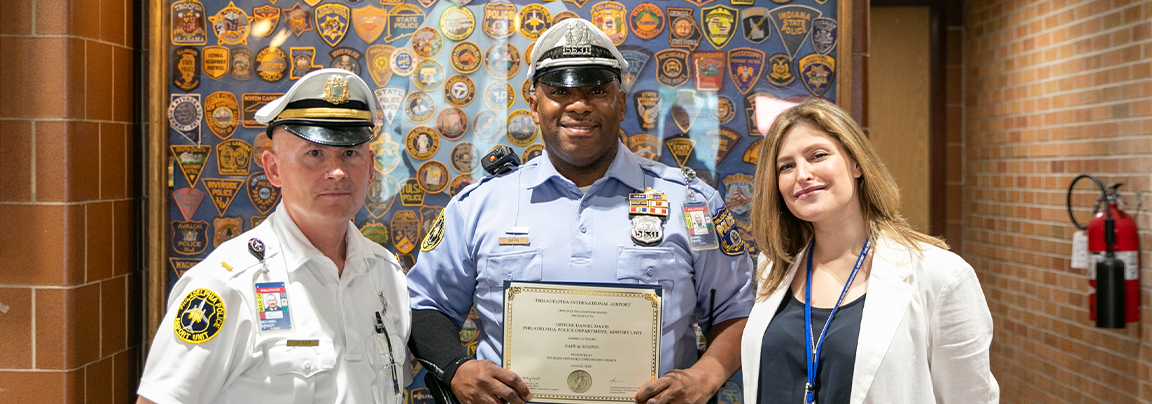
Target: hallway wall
[1054,89]
[70,278]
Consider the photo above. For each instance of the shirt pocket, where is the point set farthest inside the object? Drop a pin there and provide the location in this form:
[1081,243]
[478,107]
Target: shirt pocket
[388,364]
[515,266]
[648,265]
[522,265]
[304,372]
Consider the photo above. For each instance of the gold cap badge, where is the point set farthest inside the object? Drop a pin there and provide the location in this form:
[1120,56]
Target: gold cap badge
[336,90]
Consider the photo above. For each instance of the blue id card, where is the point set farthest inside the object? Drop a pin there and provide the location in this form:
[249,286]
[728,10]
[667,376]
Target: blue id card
[272,307]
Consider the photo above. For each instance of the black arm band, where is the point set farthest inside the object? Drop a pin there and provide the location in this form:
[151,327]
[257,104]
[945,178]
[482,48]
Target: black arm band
[435,342]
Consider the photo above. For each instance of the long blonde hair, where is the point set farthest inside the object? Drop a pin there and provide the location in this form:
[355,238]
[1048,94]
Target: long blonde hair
[780,234]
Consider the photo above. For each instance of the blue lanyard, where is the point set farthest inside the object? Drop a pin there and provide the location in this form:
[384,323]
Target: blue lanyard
[814,359]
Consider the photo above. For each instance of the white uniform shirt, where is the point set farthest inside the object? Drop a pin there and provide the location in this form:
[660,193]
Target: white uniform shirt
[329,356]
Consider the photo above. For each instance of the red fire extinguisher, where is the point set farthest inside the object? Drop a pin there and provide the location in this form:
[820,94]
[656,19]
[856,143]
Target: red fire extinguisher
[1112,225]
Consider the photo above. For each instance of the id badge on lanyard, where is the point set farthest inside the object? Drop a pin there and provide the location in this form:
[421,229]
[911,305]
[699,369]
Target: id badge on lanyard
[697,218]
[273,310]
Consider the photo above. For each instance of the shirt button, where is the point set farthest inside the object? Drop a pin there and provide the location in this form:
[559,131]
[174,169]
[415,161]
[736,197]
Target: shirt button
[307,365]
[583,229]
[649,272]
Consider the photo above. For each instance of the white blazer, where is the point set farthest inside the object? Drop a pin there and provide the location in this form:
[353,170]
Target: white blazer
[924,332]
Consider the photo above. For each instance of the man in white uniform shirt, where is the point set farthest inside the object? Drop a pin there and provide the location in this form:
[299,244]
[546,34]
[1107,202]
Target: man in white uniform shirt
[341,320]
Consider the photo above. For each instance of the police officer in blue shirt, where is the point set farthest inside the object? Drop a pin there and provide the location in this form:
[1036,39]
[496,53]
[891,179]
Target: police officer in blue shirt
[566,216]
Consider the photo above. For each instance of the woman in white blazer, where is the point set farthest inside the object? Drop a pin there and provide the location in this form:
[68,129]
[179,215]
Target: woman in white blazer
[894,316]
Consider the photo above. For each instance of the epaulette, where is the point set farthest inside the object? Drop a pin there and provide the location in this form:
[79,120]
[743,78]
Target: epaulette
[241,261]
[468,189]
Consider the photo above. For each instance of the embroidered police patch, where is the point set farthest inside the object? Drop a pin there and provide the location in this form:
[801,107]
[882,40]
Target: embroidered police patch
[466,57]
[189,238]
[215,61]
[637,57]
[719,23]
[756,24]
[369,22]
[405,229]
[647,108]
[610,17]
[452,124]
[730,241]
[435,235]
[433,177]
[265,20]
[303,59]
[794,22]
[823,35]
[533,20]
[779,72]
[188,23]
[744,67]
[457,23]
[200,316]
[403,21]
[427,42]
[299,20]
[672,68]
[646,20]
[499,18]
[331,21]
[376,61]
[682,29]
[231,25]
[488,125]
[816,71]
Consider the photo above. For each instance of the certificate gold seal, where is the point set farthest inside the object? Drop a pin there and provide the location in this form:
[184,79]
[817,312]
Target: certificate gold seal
[579,381]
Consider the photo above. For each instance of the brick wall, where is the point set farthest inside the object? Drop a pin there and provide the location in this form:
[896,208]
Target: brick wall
[1053,89]
[70,278]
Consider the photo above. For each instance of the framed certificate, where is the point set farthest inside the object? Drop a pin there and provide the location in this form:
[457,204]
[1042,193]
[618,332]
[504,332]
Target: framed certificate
[582,342]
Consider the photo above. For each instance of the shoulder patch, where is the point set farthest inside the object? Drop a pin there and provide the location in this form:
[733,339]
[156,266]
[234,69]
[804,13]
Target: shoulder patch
[730,241]
[435,234]
[200,316]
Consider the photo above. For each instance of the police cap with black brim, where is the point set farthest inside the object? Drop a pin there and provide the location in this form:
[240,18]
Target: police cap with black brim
[574,53]
[332,107]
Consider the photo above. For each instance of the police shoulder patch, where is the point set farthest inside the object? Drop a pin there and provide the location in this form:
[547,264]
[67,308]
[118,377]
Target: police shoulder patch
[200,316]
[730,241]
[435,235]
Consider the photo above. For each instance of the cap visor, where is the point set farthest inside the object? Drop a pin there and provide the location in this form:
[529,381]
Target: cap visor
[577,76]
[332,135]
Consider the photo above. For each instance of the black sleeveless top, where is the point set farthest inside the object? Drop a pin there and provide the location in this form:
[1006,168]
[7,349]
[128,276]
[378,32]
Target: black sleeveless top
[783,366]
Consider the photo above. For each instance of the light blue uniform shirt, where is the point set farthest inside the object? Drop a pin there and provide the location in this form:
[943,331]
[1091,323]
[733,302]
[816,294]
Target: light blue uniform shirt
[578,237]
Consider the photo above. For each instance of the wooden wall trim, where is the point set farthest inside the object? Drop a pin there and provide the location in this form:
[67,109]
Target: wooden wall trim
[157,170]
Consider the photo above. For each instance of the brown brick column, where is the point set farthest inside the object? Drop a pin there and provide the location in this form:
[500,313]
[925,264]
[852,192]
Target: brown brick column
[70,274]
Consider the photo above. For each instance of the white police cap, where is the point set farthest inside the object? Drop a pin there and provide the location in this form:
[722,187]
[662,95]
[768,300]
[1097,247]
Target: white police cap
[331,107]
[575,53]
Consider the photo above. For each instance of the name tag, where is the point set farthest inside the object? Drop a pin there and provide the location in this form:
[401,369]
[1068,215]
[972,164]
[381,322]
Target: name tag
[303,342]
[513,240]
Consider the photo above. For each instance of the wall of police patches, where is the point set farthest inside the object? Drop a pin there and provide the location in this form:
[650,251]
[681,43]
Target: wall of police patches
[450,81]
